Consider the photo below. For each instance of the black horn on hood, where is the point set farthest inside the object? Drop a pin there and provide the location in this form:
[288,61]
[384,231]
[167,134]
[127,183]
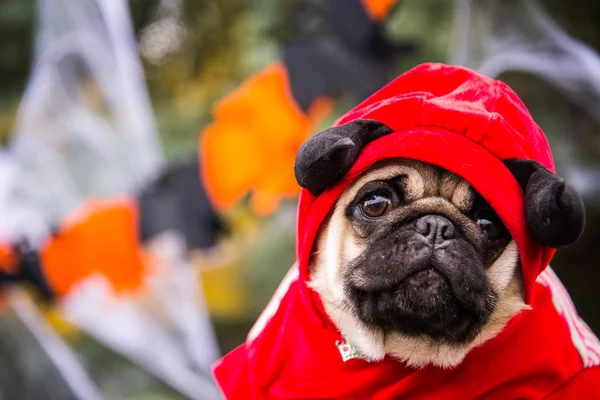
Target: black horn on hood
[554,211]
[326,157]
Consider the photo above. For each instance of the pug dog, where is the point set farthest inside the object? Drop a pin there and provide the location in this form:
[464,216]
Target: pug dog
[402,262]
[413,263]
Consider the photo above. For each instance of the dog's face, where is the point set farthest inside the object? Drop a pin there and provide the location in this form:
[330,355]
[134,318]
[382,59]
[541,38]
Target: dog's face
[413,263]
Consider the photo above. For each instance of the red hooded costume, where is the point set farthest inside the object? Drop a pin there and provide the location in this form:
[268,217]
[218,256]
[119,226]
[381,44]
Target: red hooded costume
[466,123]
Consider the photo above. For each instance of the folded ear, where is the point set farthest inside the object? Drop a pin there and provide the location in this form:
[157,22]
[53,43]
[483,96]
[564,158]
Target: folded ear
[554,211]
[326,157]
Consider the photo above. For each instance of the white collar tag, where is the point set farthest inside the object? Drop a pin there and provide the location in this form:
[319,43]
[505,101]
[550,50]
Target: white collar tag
[349,351]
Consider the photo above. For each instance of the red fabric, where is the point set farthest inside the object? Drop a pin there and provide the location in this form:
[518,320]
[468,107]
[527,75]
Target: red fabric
[467,123]
[584,385]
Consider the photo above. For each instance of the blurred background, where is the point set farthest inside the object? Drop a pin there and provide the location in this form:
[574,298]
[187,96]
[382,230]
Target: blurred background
[147,196]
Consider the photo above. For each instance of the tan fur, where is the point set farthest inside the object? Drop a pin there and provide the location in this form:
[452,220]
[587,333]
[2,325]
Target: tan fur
[337,245]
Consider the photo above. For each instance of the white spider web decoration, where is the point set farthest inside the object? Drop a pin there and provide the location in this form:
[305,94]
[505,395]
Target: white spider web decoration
[498,36]
[85,129]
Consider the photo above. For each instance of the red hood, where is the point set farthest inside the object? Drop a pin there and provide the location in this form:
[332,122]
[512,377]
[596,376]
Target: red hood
[467,123]
[457,119]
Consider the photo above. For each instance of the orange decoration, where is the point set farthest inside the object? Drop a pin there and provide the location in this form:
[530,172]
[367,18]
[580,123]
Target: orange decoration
[8,258]
[8,264]
[378,10]
[252,144]
[100,238]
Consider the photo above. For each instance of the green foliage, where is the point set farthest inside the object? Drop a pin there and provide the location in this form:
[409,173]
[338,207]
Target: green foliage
[27,372]
[429,22]
[16,43]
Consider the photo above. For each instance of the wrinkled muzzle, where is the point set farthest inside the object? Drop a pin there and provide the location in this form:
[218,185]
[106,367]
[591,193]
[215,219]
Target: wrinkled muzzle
[424,277]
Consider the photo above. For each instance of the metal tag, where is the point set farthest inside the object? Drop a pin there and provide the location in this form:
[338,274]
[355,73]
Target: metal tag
[348,351]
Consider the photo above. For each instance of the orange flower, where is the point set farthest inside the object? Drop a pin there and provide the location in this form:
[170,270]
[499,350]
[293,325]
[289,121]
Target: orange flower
[99,238]
[378,10]
[252,143]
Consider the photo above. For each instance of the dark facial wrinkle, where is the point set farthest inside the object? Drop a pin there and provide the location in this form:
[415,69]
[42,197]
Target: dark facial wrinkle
[394,254]
[444,316]
[378,288]
[367,227]
[378,282]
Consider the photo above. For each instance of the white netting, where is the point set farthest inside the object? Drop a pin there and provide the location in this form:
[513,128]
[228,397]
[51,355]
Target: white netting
[85,126]
[166,330]
[85,129]
[498,36]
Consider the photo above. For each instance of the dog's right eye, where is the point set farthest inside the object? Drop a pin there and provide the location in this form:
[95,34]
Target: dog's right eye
[375,205]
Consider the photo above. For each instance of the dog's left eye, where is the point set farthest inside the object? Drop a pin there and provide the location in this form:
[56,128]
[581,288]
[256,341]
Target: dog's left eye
[375,206]
[491,225]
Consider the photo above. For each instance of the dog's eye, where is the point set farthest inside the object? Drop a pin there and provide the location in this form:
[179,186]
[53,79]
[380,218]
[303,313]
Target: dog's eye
[490,224]
[375,205]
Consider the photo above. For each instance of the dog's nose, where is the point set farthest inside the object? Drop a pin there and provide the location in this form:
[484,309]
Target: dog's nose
[435,229]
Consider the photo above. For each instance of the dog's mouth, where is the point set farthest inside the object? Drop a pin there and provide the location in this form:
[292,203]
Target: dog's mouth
[425,277]
[423,303]
[428,282]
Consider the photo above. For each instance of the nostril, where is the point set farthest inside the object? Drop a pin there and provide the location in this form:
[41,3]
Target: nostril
[435,229]
[426,230]
[428,227]
[447,230]
[424,226]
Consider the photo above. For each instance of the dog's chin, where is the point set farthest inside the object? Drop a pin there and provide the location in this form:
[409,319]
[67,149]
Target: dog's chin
[423,303]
